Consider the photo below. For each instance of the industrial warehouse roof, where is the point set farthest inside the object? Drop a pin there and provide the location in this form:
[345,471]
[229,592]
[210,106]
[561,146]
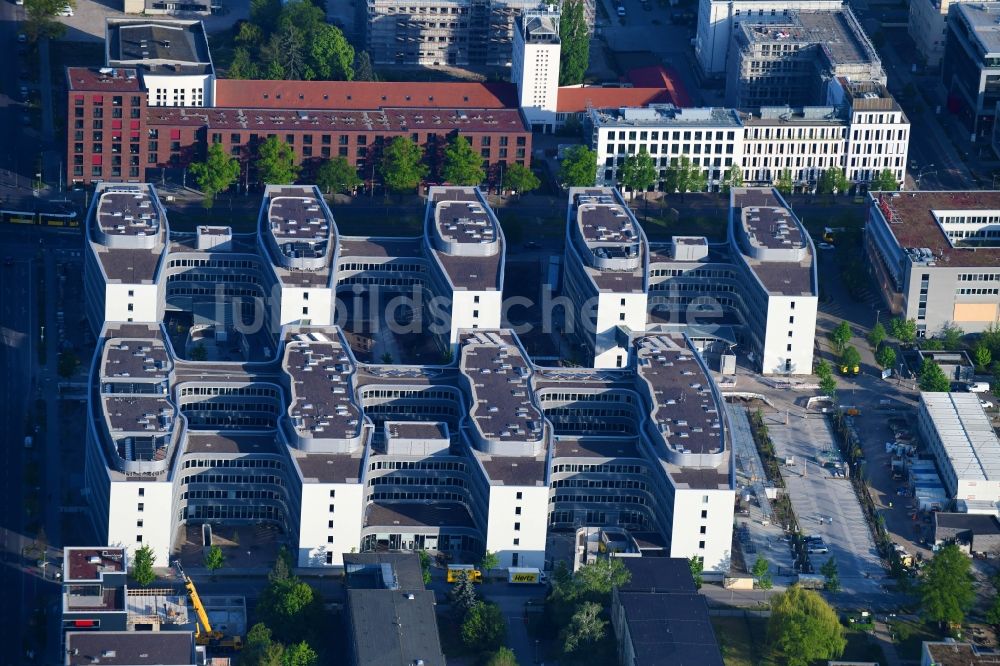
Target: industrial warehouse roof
[966,434]
[393,628]
[670,629]
[162,47]
[130,648]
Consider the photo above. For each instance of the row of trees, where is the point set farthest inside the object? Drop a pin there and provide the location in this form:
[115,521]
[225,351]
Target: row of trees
[481,623]
[144,563]
[292,41]
[402,168]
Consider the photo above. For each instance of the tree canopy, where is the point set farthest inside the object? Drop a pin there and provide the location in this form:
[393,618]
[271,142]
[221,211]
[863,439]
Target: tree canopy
[886,357]
[363,70]
[142,566]
[520,179]
[932,378]
[885,181]
[585,630]
[579,167]
[785,183]
[216,174]
[761,571]
[214,558]
[732,177]
[290,41]
[276,163]
[502,657]
[462,164]
[337,175]
[850,358]
[832,180]
[638,172]
[841,335]
[484,628]
[877,335]
[832,575]
[946,589]
[574,39]
[683,176]
[803,628]
[697,565]
[402,166]
[290,608]
[40,18]
[904,330]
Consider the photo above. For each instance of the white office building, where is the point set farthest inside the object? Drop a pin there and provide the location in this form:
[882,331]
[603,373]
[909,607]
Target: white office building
[958,432]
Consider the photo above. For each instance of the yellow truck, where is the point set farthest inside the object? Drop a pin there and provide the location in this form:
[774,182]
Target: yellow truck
[455,570]
[525,576]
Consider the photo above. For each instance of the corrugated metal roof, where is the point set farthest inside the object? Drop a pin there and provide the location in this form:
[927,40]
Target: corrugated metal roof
[966,434]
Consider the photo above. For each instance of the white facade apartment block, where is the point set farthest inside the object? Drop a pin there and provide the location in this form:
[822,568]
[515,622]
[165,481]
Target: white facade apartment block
[790,333]
[710,138]
[614,310]
[179,90]
[474,309]
[518,524]
[535,67]
[702,525]
[330,522]
[879,136]
[717,18]
[139,514]
[805,142]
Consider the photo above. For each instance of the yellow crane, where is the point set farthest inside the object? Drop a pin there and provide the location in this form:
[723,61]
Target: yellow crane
[203,632]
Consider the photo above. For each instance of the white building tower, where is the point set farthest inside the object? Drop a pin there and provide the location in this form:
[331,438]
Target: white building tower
[535,66]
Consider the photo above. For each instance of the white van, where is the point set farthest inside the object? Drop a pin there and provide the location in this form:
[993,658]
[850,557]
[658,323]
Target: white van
[979,387]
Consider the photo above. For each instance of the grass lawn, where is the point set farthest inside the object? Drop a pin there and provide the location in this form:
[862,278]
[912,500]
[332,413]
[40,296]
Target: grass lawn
[861,647]
[910,636]
[741,640]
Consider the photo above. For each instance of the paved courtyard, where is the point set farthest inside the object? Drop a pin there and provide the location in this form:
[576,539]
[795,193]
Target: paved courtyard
[824,504]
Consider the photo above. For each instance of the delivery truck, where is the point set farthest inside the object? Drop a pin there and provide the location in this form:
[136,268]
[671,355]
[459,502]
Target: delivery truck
[525,576]
[455,570]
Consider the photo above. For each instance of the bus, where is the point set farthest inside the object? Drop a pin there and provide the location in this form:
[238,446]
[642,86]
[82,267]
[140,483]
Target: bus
[474,574]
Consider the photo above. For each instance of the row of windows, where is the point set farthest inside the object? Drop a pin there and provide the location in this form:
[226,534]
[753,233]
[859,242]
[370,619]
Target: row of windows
[417,465]
[394,480]
[253,390]
[973,291]
[978,277]
[386,266]
[233,462]
[381,495]
[231,494]
[674,136]
[615,498]
[193,276]
[599,469]
[233,478]
[427,394]
[175,289]
[232,512]
[581,412]
[693,272]
[671,148]
[600,483]
[607,396]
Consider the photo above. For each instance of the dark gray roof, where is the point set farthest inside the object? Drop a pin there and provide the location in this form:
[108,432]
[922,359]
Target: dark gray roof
[784,277]
[129,359]
[329,467]
[389,628]
[128,266]
[130,648]
[418,429]
[659,574]
[362,570]
[231,443]
[322,401]
[414,514]
[597,448]
[964,525]
[771,226]
[670,629]
[351,247]
[457,207]
[161,47]
[514,470]
[131,213]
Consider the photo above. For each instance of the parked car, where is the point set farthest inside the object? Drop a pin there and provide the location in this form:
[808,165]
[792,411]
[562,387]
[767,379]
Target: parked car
[817,549]
[986,404]
[65,11]
[621,11]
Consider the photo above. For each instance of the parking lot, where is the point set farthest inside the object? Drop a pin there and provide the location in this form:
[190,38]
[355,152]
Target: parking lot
[824,502]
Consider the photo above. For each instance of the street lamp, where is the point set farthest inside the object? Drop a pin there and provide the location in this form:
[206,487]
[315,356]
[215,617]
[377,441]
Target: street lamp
[923,170]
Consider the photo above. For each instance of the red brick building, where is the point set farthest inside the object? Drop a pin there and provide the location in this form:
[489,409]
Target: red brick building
[114,135]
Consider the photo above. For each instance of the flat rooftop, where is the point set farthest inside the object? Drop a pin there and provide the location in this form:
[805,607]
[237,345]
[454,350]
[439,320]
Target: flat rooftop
[231,442]
[686,412]
[670,629]
[966,434]
[329,467]
[837,33]
[465,222]
[609,233]
[770,225]
[596,448]
[364,570]
[418,514]
[138,414]
[502,407]
[982,20]
[135,359]
[913,224]
[103,79]
[387,120]
[127,213]
[514,470]
[303,234]
[92,563]
[418,429]
[322,401]
[667,115]
[160,46]
[130,648]
[393,627]
[960,654]
[805,115]
[352,248]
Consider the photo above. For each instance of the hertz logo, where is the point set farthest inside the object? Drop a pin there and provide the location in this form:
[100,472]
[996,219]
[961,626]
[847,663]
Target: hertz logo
[525,578]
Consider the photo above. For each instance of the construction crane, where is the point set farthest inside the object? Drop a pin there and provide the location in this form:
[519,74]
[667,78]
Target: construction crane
[203,632]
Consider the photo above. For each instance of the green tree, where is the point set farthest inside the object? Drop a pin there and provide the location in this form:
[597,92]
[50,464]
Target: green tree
[904,330]
[951,336]
[823,369]
[831,181]
[285,53]
[932,378]
[289,607]
[402,166]
[877,335]
[68,364]
[214,559]
[932,344]
[260,650]
[489,562]
[886,357]
[804,628]
[983,357]
[276,162]
[462,596]
[484,628]
[199,353]
[519,178]
[331,56]
[300,654]
[579,167]
[425,566]
[697,567]
[243,66]
[363,70]
[784,183]
[850,358]
[841,335]
[40,18]
[265,13]
[832,575]
[142,566]
[638,172]
[761,572]
[684,176]
[828,386]
[574,39]
[502,657]
[462,164]
[249,35]
[216,174]
[585,630]
[595,580]
[946,589]
[337,175]
[884,182]
[733,177]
